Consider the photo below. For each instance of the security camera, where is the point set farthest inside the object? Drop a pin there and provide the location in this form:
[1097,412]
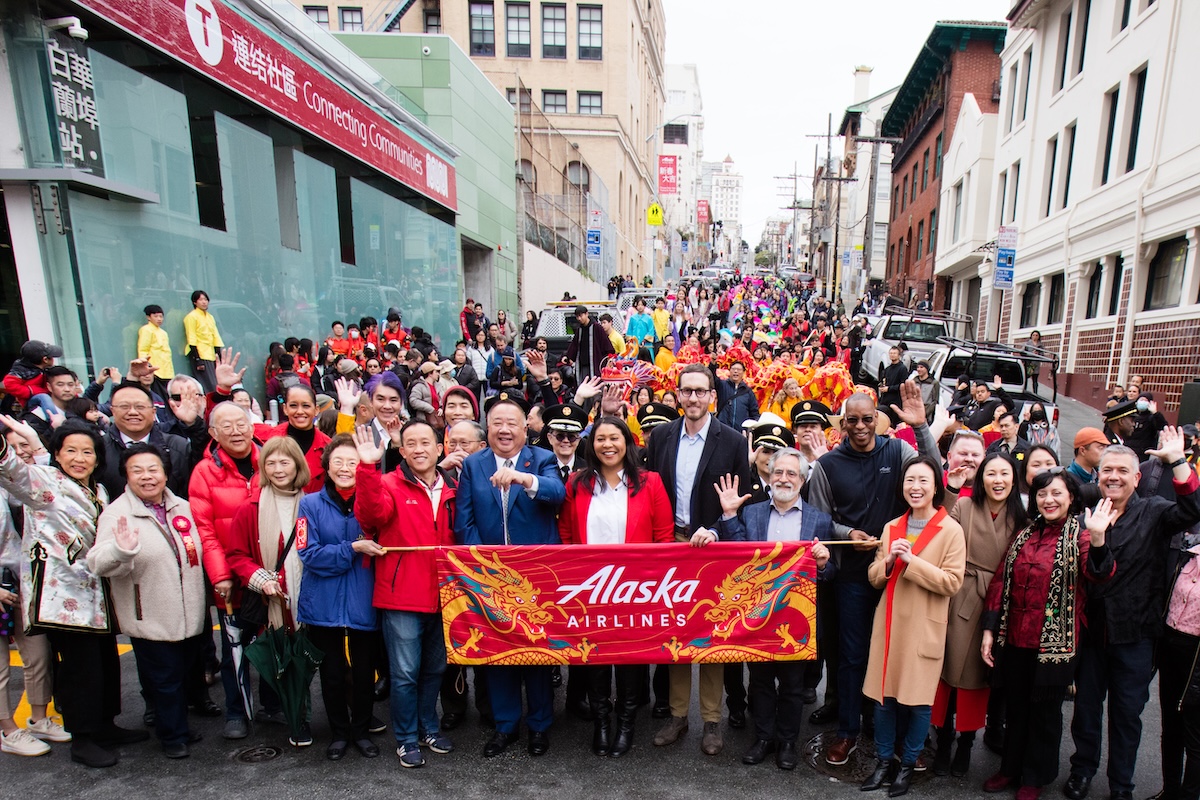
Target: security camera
[72,25]
[426,50]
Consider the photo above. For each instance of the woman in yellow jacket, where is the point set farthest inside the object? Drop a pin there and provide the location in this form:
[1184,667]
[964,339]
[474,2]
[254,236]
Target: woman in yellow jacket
[154,345]
[784,399]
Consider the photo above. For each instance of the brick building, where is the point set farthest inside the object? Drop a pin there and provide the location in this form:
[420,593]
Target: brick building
[958,58]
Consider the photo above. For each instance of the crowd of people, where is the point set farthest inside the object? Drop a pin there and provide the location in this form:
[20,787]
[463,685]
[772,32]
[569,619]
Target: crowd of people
[982,581]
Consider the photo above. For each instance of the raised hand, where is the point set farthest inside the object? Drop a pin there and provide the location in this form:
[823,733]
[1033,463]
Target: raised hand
[140,368]
[1170,445]
[227,373]
[393,428]
[727,492]
[189,407]
[535,364]
[816,442]
[125,536]
[912,408]
[347,396]
[1098,520]
[56,418]
[364,442]
[996,382]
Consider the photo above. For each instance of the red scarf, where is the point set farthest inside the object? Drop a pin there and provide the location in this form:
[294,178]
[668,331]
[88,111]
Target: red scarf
[899,530]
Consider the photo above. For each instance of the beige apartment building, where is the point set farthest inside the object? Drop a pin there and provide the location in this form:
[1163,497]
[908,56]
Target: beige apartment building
[595,70]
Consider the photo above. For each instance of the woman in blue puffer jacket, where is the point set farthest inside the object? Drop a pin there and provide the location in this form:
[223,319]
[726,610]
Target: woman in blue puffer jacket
[335,598]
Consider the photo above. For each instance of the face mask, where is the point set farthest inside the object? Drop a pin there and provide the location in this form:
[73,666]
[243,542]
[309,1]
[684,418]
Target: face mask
[353,334]
[1143,405]
[1037,416]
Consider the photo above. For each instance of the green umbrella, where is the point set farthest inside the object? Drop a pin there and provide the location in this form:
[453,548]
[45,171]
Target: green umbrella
[287,662]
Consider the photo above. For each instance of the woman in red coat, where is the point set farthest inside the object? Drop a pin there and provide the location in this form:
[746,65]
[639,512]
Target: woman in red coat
[612,500]
[300,409]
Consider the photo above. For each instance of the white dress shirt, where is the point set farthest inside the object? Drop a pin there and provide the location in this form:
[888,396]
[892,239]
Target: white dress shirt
[608,512]
[533,489]
[687,464]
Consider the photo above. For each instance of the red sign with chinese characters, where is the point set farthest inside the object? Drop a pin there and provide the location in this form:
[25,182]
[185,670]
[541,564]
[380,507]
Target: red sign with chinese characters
[216,41]
[628,604]
[702,215]
[668,174]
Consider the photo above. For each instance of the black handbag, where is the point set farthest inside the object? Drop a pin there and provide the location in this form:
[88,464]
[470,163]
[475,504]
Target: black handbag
[253,610]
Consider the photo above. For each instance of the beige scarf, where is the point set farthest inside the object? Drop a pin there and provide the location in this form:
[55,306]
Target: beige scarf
[276,519]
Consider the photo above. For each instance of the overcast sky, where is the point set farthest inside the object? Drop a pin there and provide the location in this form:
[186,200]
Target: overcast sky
[772,70]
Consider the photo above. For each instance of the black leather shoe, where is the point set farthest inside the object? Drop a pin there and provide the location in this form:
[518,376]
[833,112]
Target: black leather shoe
[785,756]
[737,719]
[660,711]
[451,721]
[824,715]
[336,750]
[901,782]
[367,748]
[1077,786]
[539,743]
[87,752]
[177,750]
[884,773]
[207,708]
[383,689]
[499,743]
[758,752]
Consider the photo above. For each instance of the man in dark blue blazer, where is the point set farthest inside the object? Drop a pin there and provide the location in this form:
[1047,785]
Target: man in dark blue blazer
[509,493]
[785,517]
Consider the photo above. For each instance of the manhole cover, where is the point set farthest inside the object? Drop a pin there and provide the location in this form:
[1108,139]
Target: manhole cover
[861,763]
[257,754]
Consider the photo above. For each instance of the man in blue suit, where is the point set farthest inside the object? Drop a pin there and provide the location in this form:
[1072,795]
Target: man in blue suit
[509,493]
[784,517]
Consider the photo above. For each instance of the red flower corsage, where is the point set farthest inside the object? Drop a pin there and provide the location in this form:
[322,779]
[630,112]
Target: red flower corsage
[181,524]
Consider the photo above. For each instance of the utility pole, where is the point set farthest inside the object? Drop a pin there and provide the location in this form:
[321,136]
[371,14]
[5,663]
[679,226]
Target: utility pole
[794,207]
[873,183]
[828,201]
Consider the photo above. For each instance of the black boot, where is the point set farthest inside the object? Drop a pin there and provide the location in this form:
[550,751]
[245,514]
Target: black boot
[884,773]
[623,741]
[602,734]
[962,755]
[901,782]
[945,740]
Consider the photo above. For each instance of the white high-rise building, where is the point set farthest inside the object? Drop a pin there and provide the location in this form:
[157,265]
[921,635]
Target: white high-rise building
[682,138]
[726,205]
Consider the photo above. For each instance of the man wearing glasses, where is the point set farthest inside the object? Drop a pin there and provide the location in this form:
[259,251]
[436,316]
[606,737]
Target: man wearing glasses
[690,455]
[857,483]
[134,421]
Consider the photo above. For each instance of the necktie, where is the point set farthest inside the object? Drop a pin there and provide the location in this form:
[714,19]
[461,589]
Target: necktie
[508,462]
[564,471]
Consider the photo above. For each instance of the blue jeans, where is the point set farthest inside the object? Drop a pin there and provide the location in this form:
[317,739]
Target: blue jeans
[234,707]
[417,655]
[856,601]
[890,717]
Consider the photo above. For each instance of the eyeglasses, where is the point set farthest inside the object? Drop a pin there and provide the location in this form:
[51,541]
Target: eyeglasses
[132,407]
[853,421]
[565,436]
[693,392]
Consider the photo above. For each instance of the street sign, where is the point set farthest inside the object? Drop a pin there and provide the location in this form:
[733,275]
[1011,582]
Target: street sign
[593,244]
[684,245]
[654,215]
[1006,257]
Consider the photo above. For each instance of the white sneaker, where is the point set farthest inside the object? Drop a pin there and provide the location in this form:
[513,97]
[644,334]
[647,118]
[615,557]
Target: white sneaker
[48,730]
[22,743]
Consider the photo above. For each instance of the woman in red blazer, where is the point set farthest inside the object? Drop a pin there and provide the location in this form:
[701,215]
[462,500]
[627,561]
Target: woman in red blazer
[612,500]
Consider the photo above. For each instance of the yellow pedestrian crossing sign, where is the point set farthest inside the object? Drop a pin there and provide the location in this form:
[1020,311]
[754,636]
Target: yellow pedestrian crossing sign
[654,214]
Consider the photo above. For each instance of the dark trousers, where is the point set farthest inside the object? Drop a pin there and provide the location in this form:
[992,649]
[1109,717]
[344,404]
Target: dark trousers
[165,669]
[1122,673]
[1034,725]
[662,685]
[735,688]
[87,680]
[348,688]
[578,684]
[777,698]
[206,376]
[1177,654]
[195,688]
[454,690]
[504,684]
[856,600]
[630,680]
[827,644]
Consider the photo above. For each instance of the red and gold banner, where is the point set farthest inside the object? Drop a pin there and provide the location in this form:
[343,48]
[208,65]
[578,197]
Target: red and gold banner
[628,604]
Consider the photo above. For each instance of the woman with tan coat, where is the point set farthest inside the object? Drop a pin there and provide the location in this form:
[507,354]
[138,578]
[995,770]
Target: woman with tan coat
[989,518]
[148,548]
[919,566]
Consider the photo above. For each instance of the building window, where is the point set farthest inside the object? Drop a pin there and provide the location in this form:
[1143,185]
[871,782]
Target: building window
[1066,181]
[937,158]
[578,177]
[904,194]
[1002,198]
[1110,135]
[591,103]
[932,230]
[591,33]
[920,240]
[895,202]
[1164,282]
[1030,301]
[1016,181]
[1058,293]
[1064,52]
[1051,165]
[554,31]
[1011,115]
[1114,295]
[891,258]
[528,174]
[1093,298]
[350,19]
[912,198]
[925,171]
[1126,8]
[483,29]
[1135,119]
[516,28]
[319,15]
[956,230]
[675,134]
[1081,31]
[1027,66]
[526,100]
[554,102]
[433,22]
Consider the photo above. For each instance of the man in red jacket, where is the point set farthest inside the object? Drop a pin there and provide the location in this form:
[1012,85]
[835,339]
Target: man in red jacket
[413,506]
[219,485]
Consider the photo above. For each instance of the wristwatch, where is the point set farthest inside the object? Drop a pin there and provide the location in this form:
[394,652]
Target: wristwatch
[1177,463]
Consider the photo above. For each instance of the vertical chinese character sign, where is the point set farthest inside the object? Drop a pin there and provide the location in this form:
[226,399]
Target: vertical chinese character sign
[73,93]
